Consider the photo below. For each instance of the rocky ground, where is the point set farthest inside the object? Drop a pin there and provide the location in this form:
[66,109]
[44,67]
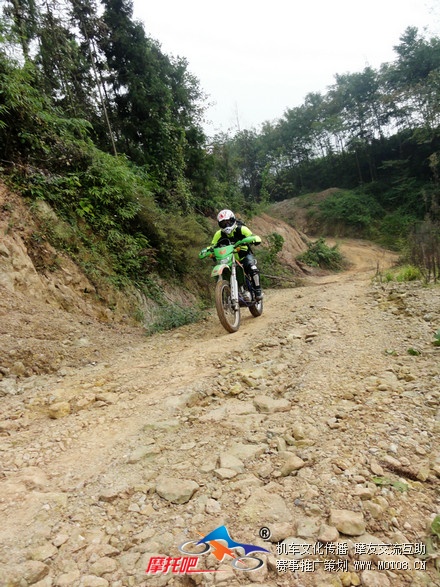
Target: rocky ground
[320,421]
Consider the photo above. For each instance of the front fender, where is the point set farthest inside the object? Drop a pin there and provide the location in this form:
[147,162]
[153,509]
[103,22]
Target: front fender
[220,269]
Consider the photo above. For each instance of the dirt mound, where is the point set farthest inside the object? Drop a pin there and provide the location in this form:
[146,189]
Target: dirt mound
[51,316]
[294,241]
[30,265]
[300,212]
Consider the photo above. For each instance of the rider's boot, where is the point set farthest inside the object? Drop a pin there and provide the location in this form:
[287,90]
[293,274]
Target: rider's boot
[245,294]
[257,286]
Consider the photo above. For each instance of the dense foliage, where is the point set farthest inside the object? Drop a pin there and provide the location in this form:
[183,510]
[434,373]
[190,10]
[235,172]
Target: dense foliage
[319,254]
[99,122]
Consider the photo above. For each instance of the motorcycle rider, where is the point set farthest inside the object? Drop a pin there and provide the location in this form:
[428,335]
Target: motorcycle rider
[234,230]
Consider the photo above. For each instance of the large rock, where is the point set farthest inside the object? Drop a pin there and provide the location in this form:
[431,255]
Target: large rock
[59,410]
[103,566]
[327,533]
[263,508]
[268,405]
[176,490]
[34,478]
[375,579]
[44,552]
[143,452]
[247,451]
[67,579]
[93,581]
[224,474]
[291,465]
[26,573]
[17,272]
[230,461]
[347,522]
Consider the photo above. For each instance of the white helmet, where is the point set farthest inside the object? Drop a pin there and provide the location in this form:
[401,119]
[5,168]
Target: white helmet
[226,221]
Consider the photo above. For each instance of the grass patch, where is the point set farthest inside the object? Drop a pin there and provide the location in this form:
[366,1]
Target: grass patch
[403,274]
[172,316]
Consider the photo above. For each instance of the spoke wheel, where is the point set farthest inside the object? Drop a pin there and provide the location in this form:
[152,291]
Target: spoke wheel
[256,309]
[228,315]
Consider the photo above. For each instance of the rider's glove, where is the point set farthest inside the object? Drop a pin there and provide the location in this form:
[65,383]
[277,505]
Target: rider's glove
[208,252]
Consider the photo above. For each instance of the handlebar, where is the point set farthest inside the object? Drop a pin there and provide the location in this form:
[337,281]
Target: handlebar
[206,252]
[209,251]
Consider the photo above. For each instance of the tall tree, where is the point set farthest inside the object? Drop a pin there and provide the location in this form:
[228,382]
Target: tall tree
[358,98]
[64,66]
[85,19]
[251,161]
[24,15]
[152,102]
[413,80]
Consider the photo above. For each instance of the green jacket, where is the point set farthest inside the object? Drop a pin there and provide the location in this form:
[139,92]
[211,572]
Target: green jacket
[240,232]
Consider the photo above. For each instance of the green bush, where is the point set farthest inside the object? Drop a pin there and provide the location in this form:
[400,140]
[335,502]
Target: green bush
[408,273]
[273,273]
[319,254]
[394,228]
[276,242]
[402,274]
[349,213]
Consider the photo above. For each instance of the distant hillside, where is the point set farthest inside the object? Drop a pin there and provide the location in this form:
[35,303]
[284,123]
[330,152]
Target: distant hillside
[302,212]
[343,213]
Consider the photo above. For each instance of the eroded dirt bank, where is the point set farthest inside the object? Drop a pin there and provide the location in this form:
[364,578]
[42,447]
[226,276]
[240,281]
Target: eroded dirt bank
[313,409]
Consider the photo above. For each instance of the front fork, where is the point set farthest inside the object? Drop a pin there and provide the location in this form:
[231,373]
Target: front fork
[234,287]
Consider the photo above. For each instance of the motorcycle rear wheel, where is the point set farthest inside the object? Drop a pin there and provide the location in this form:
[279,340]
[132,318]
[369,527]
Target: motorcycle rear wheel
[228,315]
[256,309]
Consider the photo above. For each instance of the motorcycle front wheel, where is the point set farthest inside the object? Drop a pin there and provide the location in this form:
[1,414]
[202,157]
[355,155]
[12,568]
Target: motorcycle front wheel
[227,314]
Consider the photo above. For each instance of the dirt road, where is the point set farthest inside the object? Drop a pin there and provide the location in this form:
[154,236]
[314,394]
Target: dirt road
[319,420]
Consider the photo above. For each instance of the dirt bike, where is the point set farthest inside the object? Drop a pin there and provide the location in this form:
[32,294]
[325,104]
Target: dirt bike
[234,289]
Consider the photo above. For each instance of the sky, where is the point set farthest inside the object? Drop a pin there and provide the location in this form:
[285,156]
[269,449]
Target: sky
[257,59]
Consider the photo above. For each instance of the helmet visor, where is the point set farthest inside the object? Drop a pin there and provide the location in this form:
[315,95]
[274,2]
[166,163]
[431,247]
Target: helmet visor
[226,223]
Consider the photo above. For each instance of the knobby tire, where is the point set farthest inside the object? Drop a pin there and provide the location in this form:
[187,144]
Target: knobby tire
[228,316]
[257,309]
